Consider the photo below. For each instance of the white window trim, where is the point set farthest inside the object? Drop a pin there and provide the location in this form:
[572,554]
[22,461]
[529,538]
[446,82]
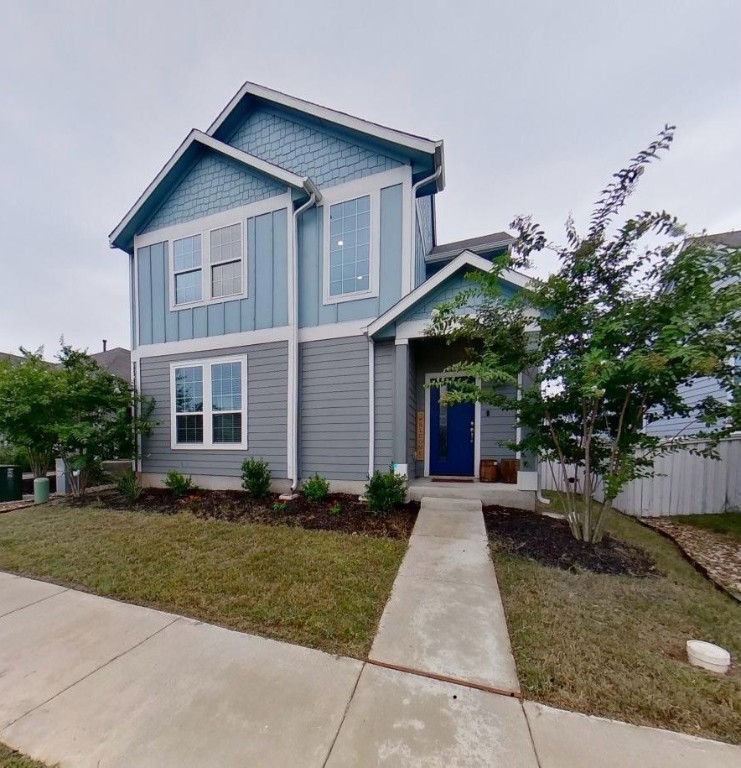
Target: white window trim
[242,293]
[204,226]
[208,443]
[370,186]
[170,245]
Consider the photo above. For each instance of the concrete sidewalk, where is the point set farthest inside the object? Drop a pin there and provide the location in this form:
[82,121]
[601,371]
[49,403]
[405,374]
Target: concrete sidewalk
[93,683]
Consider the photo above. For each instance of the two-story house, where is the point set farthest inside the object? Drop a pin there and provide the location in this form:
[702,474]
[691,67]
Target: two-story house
[284,265]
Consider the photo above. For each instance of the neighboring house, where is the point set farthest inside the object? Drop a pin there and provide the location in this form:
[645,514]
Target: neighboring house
[284,265]
[704,387]
[116,360]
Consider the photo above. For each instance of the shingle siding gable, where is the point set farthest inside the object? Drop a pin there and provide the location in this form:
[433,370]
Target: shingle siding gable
[307,150]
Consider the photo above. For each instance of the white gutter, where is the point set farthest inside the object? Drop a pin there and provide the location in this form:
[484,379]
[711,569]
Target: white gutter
[371,406]
[315,197]
[415,187]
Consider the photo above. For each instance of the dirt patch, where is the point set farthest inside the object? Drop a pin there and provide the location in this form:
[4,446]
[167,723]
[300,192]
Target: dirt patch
[338,512]
[549,542]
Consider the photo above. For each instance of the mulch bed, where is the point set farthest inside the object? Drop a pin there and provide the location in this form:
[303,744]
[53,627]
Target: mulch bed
[239,506]
[549,542]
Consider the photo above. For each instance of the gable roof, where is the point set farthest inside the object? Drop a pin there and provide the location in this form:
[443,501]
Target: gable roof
[174,170]
[463,260]
[728,239]
[215,139]
[250,93]
[481,244]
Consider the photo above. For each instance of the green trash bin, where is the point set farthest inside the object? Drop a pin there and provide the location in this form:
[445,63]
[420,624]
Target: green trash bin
[11,482]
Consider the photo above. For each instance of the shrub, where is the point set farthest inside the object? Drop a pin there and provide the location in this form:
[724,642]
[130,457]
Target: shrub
[178,483]
[385,490]
[256,477]
[280,507]
[129,486]
[336,509]
[316,488]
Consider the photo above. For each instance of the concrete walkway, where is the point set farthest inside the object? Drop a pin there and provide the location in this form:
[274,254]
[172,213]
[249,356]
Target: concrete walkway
[93,683]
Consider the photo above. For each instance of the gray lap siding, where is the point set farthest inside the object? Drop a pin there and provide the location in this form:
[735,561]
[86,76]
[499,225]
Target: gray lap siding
[267,372]
[334,408]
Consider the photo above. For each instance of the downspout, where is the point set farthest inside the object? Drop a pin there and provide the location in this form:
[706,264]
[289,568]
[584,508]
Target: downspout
[371,406]
[434,177]
[315,197]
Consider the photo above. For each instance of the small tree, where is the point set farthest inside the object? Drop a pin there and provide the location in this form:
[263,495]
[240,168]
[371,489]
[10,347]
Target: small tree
[97,416]
[29,391]
[634,314]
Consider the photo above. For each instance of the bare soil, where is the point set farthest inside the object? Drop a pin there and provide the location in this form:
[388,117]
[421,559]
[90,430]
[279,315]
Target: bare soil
[351,516]
[549,542]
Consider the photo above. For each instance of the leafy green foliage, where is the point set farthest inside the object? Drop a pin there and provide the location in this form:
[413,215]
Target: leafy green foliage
[634,313]
[29,392]
[178,483]
[76,410]
[385,490]
[256,477]
[336,509]
[280,507]
[316,488]
[129,486]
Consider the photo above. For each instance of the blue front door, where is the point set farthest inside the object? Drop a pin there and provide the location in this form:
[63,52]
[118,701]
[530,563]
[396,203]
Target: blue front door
[452,433]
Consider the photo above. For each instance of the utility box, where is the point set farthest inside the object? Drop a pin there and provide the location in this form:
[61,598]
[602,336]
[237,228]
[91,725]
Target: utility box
[11,482]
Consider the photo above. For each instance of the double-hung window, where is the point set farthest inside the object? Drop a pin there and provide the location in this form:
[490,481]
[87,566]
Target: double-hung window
[349,248]
[226,261]
[209,404]
[186,254]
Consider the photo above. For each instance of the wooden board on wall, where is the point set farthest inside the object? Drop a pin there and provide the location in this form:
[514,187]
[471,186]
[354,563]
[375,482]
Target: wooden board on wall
[419,454]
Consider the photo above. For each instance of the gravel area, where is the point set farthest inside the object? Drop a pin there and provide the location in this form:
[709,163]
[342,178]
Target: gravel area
[719,556]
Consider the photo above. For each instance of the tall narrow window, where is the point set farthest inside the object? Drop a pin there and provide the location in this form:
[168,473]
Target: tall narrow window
[349,247]
[189,405]
[187,269]
[226,402]
[226,261]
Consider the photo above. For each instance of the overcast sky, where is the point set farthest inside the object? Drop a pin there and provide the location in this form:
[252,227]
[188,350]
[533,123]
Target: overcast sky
[538,102]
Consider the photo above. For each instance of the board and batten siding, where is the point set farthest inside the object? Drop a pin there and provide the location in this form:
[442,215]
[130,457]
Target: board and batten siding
[383,401]
[334,408]
[267,377]
[264,306]
[312,310]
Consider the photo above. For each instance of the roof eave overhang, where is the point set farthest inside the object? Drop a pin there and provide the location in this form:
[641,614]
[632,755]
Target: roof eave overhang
[463,260]
[123,235]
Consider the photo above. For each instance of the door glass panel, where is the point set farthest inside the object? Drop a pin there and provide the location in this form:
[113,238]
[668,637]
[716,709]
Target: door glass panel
[443,427]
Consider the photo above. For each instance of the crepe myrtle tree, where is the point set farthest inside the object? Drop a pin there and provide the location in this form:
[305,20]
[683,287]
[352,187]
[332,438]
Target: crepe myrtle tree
[635,312]
[98,417]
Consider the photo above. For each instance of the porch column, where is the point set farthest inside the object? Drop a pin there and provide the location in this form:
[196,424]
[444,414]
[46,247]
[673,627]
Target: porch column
[527,476]
[401,385]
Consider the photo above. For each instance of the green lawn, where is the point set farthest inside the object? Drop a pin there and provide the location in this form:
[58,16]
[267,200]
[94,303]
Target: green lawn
[728,524]
[315,588]
[11,759]
[615,646]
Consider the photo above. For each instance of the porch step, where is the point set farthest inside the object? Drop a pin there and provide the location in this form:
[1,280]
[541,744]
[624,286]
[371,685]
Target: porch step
[486,493]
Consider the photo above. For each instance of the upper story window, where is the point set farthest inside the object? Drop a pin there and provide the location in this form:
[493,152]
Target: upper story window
[349,247]
[208,404]
[188,275]
[226,261]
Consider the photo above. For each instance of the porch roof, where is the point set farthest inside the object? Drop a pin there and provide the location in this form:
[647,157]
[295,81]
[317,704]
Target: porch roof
[417,306]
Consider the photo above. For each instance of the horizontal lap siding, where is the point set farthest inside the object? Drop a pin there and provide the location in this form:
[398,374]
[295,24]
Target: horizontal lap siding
[497,427]
[384,405]
[267,372]
[334,408]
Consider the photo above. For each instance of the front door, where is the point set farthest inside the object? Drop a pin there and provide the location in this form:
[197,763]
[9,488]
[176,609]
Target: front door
[452,434]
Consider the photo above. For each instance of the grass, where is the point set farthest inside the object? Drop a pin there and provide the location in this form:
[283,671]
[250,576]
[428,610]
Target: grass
[727,524]
[615,646]
[315,588]
[9,758]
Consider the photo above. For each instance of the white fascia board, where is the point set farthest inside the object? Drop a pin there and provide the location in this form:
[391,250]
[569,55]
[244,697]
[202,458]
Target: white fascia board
[255,163]
[465,259]
[408,140]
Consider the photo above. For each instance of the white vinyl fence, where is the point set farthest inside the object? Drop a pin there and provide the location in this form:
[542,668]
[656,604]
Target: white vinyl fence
[684,484]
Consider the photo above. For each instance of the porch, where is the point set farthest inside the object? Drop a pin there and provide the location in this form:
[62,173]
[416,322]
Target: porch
[504,494]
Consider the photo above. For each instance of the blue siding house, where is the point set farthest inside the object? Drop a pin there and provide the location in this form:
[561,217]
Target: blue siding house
[284,265]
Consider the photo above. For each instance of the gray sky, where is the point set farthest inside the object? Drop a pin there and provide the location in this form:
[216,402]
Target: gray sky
[538,102]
